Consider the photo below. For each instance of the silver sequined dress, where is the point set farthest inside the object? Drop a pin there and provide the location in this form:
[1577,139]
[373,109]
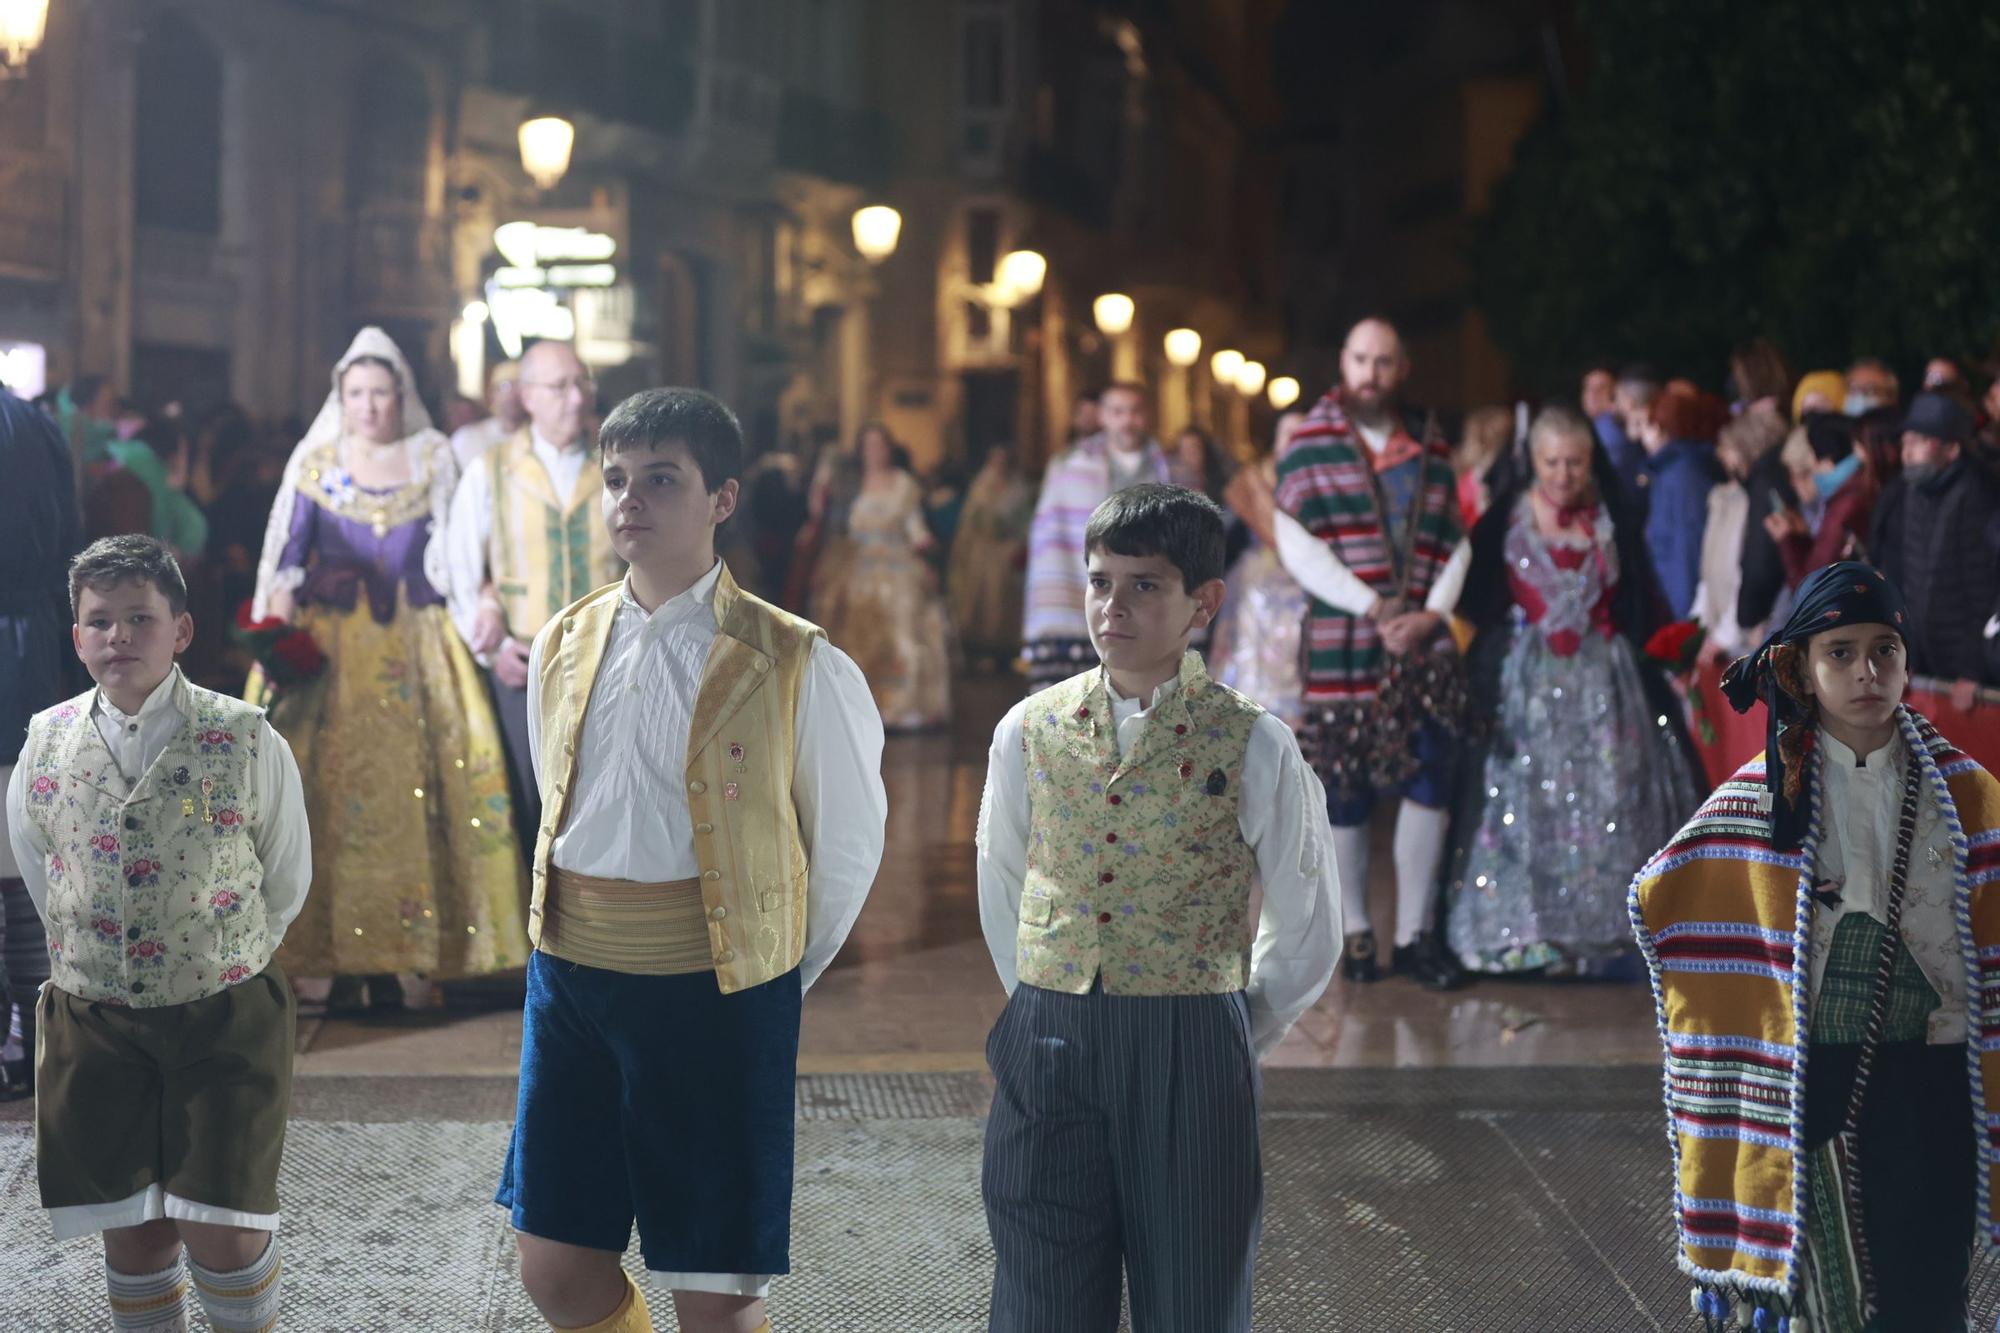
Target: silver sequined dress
[1579,781]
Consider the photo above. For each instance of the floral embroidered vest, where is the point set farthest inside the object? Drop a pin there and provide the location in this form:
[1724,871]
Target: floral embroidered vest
[1137,868]
[156,895]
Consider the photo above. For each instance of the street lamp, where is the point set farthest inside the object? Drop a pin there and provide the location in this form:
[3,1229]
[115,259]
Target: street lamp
[546,142]
[1183,347]
[23,24]
[1283,392]
[877,228]
[1113,312]
[1020,275]
[1225,364]
[1250,379]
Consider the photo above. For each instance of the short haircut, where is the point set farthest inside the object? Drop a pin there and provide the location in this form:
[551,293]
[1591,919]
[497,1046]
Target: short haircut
[110,561]
[1152,519]
[1087,396]
[1558,422]
[701,421]
[1123,386]
[1640,381]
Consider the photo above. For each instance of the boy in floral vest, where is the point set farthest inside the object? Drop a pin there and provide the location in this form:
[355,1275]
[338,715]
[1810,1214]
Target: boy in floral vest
[1128,812]
[161,831]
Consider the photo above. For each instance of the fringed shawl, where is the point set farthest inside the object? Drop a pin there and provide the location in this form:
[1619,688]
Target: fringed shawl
[1724,923]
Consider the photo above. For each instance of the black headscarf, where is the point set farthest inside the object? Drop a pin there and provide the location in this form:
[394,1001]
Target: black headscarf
[1846,593]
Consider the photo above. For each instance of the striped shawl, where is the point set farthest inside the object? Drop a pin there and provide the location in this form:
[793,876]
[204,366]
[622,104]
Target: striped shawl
[1076,483]
[1723,921]
[1326,480]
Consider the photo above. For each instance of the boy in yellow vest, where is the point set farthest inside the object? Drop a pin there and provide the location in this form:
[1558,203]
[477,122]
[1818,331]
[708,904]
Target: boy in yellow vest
[161,831]
[1128,813]
[712,816]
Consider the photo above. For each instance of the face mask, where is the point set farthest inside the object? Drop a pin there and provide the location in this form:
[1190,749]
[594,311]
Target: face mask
[1857,402]
[1828,484]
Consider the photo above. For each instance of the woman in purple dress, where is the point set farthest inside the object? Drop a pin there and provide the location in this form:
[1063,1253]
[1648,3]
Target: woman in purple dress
[415,865]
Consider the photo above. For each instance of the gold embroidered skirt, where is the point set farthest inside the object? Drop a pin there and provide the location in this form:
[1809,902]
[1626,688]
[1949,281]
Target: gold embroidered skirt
[415,864]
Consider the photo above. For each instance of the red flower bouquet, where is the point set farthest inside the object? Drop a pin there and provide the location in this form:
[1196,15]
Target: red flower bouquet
[286,654]
[1677,649]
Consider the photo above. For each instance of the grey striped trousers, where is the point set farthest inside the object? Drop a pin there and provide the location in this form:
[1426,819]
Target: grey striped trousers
[1123,1135]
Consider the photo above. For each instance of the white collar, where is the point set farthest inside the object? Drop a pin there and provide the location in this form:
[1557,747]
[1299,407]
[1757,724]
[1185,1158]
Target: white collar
[539,441]
[1881,760]
[1161,692]
[695,597]
[159,701]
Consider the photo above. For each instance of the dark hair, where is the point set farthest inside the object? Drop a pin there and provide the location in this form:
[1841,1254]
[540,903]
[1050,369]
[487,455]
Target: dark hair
[1831,436]
[134,558]
[701,421]
[1639,375]
[1086,396]
[1151,519]
[1759,371]
[1123,386]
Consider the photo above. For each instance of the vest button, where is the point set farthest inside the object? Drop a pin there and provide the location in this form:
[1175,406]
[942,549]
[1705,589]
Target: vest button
[569,626]
[697,787]
[1106,877]
[716,914]
[726,956]
[1111,837]
[138,988]
[711,874]
[1104,918]
[704,828]
[132,934]
[1117,800]
[762,664]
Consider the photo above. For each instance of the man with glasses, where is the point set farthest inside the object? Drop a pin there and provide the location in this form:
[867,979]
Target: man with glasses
[523,541]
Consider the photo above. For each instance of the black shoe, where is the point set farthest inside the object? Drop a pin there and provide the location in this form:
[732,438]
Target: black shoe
[1432,965]
[1358,959]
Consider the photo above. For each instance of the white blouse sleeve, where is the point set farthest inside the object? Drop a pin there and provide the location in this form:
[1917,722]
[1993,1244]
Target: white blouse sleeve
[842,806]
[1283,818]
[1318,570]
[1002,841]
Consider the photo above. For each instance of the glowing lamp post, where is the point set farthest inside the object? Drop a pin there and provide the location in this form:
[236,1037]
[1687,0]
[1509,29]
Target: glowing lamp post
[1282,392]
[546,143]
[877,228]
[1225,364]
[23,24]
[1020,275]
[1250,379]
[1183,348]
[1113,312]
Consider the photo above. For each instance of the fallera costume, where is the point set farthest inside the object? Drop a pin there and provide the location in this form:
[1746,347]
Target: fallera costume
[712,820]
[876,596]
[416,864]
[1827,969]
[1118,841]
[167,852]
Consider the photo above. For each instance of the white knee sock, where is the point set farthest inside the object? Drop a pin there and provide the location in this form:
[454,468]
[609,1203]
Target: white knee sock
[1350,859]
[149,1302]
[1420,834]
[243,1301]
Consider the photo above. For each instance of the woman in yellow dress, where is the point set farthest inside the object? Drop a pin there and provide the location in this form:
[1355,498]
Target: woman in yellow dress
[415,866]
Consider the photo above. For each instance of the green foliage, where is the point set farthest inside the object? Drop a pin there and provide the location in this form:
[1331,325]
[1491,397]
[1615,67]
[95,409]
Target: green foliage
[1824,172]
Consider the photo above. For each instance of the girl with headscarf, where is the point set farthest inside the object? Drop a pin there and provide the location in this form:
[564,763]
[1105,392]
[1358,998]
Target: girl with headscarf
[415,865]
[1824,943]
[1585,767]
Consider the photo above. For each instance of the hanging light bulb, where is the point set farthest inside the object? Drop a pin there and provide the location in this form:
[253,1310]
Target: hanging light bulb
[877,228]
[546,143]
[1283,392]
[1183,347]
[1224,365]
[1250,379]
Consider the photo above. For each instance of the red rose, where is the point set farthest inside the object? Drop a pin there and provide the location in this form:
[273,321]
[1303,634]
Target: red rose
[1670,641]
[299,654]
[249,626]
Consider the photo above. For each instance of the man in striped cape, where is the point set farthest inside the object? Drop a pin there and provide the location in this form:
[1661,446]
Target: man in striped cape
[1829,909]
[1368,524]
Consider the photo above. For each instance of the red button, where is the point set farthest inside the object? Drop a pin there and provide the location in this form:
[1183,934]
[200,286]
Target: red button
[1083,712]
[1103,918]
[1111,837]
[1180,729]
[1117,800]
[1105,878]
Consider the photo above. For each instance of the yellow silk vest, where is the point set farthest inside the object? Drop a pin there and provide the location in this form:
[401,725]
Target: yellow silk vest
[544,551]
[739,772]
[1137,869]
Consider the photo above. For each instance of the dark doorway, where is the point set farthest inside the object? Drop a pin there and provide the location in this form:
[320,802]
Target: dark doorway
[992,411]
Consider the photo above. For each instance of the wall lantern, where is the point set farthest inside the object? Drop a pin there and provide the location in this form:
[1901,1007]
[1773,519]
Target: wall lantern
[1225,364]
[1250,379]
[1283,392]
[23,24]
[877,228]
[1183,347]
[546,142]
[1021,274]
[1113,312]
